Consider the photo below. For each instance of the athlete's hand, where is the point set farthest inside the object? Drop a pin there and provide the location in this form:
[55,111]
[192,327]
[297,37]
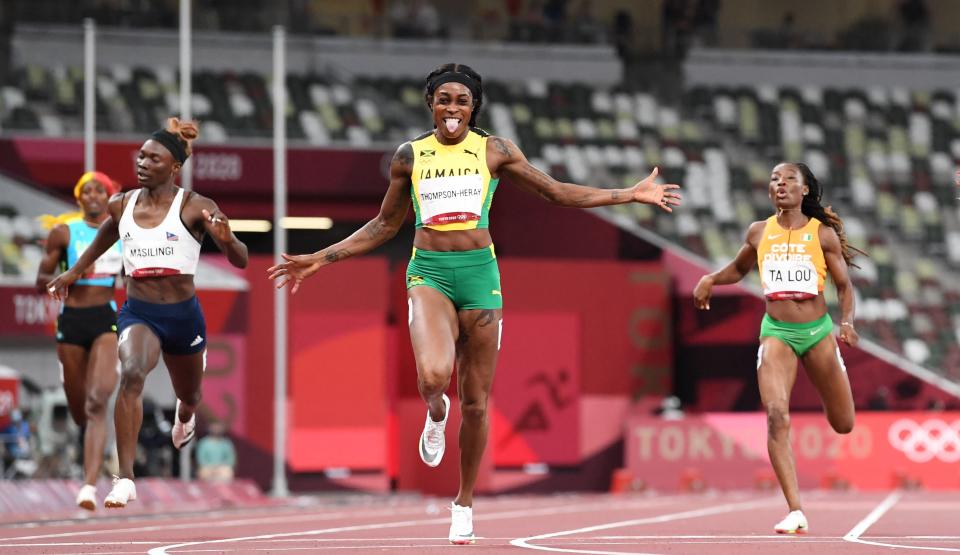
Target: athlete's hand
[848,334]
[701,293]
[297,268]
[649,192]
[58,287]
[217,225]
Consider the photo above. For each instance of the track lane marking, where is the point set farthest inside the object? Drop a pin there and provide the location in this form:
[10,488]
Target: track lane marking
[670,517]
[553,510]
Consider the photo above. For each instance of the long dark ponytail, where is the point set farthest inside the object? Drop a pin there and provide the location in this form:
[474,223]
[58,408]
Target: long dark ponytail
[812,208]
[430,87]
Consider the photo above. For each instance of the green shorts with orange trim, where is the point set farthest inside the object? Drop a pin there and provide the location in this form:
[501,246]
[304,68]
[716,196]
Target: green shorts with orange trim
[801,337]
[470,279]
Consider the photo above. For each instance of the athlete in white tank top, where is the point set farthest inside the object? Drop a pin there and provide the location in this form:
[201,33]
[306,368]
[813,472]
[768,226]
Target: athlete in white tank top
[168,319]
[165,250]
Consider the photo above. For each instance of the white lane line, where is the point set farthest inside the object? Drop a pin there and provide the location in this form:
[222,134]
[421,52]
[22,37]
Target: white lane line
[690,537]
[77,544]
[876,514]
[920,547]
[295,517]
[952,538]
[854,534]
[326,547]
[719,509]
[554,510]
[288,514]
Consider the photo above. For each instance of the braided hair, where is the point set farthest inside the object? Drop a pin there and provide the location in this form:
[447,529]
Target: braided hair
[812,208]
[467,71]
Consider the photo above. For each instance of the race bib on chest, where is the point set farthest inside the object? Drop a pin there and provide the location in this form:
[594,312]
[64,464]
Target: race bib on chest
[789,279]
[445,200]
[109,263]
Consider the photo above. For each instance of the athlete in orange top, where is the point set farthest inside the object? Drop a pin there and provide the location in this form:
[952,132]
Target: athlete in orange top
[794,250]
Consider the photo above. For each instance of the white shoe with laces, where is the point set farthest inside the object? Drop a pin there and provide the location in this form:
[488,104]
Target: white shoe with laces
[87,497]
[461,525]
[182,432]
[794,523]
[122,493]
[433,439]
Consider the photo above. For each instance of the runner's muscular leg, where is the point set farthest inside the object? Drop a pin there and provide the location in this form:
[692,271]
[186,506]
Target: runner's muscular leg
[776,376]
[139,353]
[101,381]
[433,333]
[73,360]
[477,351]
[186,375]
[826,371]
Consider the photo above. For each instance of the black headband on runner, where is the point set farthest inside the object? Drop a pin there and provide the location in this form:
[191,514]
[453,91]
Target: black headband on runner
[454,77]
[172,143]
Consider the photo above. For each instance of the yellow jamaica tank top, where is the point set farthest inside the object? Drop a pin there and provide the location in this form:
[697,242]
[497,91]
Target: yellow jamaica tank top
[451,184]
[791,261]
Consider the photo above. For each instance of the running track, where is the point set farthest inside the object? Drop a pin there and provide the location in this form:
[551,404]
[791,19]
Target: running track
[711,524]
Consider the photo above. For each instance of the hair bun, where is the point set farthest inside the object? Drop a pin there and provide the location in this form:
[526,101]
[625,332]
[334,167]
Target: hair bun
[187,130]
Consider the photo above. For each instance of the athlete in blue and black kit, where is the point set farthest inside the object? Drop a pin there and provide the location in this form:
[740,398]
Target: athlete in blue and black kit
[87,324]
[449,175]
[162,227]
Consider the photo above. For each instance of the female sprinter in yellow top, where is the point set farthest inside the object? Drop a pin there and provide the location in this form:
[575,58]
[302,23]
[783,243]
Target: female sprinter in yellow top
[794,250]
[453,281]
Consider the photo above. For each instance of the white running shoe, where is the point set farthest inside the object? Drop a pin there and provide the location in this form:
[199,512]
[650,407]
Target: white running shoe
[794,523]
[182,433]
[461,525]
[122,493]
[433,440]
[87,497]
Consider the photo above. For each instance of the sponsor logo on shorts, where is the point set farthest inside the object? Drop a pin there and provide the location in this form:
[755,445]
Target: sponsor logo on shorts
[495,292]
[196,341]
[816,331]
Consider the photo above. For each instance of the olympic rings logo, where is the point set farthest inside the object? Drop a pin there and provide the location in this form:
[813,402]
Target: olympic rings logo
[934,439]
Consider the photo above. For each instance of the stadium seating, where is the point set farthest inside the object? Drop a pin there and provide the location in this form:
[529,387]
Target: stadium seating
[886,158]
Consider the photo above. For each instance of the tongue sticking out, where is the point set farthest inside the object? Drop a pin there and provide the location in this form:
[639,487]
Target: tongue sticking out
[452,125]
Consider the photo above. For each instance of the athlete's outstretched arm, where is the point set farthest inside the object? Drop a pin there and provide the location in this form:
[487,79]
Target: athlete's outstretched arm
[53,252]
[107,235]
[508,159]
[393,210]
[837,266]
[732,272]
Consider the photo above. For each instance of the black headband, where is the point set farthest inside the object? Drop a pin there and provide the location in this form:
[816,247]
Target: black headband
[454,77]
[172,143]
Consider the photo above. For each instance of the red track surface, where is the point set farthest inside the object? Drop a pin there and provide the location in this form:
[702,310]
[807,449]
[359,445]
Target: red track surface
[717,524]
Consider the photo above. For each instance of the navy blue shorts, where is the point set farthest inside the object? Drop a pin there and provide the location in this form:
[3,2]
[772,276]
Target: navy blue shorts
[180,327]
